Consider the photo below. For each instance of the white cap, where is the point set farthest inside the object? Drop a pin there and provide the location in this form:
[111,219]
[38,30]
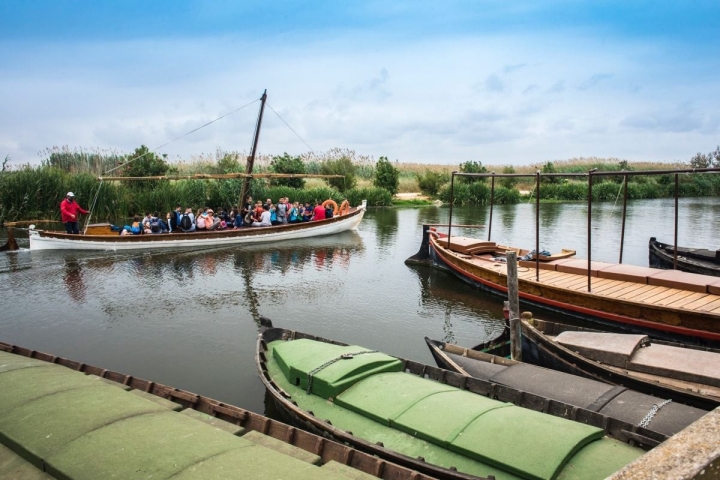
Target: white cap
[70,194]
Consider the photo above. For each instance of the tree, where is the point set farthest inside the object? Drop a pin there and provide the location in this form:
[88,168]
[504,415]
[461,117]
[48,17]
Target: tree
[340,166]
[286,164]
[549,168]
[430,182]
[472,166]
[229,163]
[386,176]
[144,163]
[508,182]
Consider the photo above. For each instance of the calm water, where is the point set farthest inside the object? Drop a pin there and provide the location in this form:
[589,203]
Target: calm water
[189,318]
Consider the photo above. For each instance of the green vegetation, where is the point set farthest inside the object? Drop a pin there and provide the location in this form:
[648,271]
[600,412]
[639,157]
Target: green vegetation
[32,192]
[286,164]
[386,176]
[340,166]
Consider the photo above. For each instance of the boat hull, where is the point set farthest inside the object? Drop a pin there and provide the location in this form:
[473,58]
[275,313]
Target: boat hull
[660,257]
[538,349]
[657,321]
[45,240]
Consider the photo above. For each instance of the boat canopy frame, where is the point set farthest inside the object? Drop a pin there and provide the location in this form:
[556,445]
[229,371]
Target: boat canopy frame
[590,174]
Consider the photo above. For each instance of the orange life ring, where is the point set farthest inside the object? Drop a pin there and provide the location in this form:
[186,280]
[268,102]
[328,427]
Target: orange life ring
[334,205]
[344,207]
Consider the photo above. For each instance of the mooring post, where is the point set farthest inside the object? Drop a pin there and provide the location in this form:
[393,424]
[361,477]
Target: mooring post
[514,301]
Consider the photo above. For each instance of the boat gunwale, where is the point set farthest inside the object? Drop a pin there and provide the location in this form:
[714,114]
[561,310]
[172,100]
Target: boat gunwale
[327,450]
[622,431]
[691,264]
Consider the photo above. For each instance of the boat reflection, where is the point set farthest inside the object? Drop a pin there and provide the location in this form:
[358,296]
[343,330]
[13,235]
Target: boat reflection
[481,314]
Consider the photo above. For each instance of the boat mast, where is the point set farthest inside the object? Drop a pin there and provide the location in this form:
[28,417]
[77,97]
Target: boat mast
[251,158]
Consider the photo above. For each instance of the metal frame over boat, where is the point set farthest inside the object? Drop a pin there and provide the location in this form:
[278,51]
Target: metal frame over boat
[693,260]
[312,421]
[326,449]
[595,395]
[638,299]
[49,240]
[540,348]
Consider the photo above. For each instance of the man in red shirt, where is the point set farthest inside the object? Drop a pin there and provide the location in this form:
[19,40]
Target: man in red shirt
[69,210]
[318,212]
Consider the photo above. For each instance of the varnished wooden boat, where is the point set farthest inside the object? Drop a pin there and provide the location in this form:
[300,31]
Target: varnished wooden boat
[689,375]
[662,304]
[103,238]
[693,260]
[325,458]
[613,401]
[349,394]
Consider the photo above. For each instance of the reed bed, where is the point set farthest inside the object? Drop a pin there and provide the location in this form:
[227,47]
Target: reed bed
[36,191]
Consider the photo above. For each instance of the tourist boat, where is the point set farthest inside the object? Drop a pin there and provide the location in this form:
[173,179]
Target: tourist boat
[101,237]
[685,374]
[74,420]
[616,402]
[440,423]
[694,260]
[661,303]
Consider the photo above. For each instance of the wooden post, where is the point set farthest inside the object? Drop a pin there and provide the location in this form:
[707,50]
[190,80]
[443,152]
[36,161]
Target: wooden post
[514,299]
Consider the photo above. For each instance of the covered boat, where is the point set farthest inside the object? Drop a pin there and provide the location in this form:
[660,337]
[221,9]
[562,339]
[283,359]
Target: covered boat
[438,422]
[613,401]
[663,304]
[102,238]
[693,260]
[685,374]
[78,421]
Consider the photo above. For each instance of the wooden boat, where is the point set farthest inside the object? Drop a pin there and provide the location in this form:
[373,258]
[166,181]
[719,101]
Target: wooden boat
[663,369]
[102,238]
[33,383]
[663,304]
[693,260]
[400,410]
[614,401]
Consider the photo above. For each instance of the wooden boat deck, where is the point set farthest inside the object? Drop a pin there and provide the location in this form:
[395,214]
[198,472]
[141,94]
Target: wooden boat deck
[634,291]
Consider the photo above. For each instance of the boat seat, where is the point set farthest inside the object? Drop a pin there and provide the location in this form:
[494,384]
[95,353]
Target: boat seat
[543,265]
[693,282]
[627,273]
[466,245]
[714,287]
[580,266]
[614,349]
[682,363]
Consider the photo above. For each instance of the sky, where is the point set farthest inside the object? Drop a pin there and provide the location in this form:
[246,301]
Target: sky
[521,82]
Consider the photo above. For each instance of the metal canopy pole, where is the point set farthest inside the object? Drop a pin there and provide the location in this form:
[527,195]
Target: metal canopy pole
[452,200]
[589,229]
[676,221]
[492,203]
[537,226]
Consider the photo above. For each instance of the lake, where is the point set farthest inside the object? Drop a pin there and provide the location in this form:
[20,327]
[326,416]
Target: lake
[189,318]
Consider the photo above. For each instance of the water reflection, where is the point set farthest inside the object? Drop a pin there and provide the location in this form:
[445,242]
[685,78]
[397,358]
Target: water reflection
[386,225]
[73,280]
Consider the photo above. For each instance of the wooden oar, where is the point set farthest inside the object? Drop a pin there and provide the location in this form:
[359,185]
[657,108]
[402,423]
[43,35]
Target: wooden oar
[28,222]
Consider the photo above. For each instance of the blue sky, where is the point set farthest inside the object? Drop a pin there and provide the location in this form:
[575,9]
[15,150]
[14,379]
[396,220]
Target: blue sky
[441,82]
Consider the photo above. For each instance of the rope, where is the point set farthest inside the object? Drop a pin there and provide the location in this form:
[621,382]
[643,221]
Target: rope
[182,136]
[651,414]
[92,207]
[618,195]
[344,356]
[291,129]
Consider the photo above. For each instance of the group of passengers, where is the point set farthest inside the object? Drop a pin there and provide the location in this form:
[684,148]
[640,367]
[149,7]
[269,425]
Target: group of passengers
[256,214]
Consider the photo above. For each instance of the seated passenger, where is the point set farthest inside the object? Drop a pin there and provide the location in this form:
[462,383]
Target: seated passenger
[264,220]
[135,228]
[294,214]
[319,212]
[200,220]
[211,222]
[307,212]
[187,221]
